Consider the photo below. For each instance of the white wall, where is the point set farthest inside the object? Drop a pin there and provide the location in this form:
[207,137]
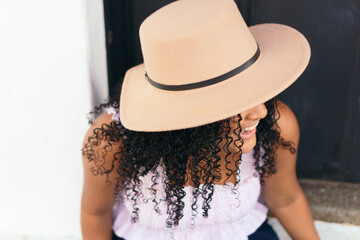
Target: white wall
[45,93]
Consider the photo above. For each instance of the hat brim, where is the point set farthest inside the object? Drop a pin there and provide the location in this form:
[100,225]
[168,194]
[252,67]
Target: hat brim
[284,55]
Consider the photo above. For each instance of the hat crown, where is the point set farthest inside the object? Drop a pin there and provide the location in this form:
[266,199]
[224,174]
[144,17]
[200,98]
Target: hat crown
[188,41]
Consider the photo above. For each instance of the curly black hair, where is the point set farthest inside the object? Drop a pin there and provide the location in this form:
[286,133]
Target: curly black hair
[187,152]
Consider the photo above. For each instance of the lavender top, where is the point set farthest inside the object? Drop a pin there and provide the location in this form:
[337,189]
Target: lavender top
[238,212]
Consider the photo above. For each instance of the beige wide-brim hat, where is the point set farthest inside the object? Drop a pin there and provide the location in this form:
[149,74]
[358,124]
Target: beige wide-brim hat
[203,64]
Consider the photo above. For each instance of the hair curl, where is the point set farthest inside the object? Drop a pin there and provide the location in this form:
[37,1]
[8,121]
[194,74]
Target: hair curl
[178,151]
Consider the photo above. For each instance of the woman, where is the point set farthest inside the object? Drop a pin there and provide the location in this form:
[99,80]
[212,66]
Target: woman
[198,147]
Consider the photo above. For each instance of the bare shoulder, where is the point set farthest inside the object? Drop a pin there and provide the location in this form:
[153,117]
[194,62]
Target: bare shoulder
[104,118]
[288,123]
[98,159]
[96,146]
[282,188]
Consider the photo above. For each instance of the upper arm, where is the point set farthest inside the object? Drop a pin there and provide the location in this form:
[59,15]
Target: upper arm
[97,195]
[282,188]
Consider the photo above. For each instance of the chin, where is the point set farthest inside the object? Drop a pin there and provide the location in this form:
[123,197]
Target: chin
[249,144]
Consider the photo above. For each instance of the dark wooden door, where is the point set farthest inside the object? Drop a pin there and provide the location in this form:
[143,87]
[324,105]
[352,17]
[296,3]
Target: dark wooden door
[326,98]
